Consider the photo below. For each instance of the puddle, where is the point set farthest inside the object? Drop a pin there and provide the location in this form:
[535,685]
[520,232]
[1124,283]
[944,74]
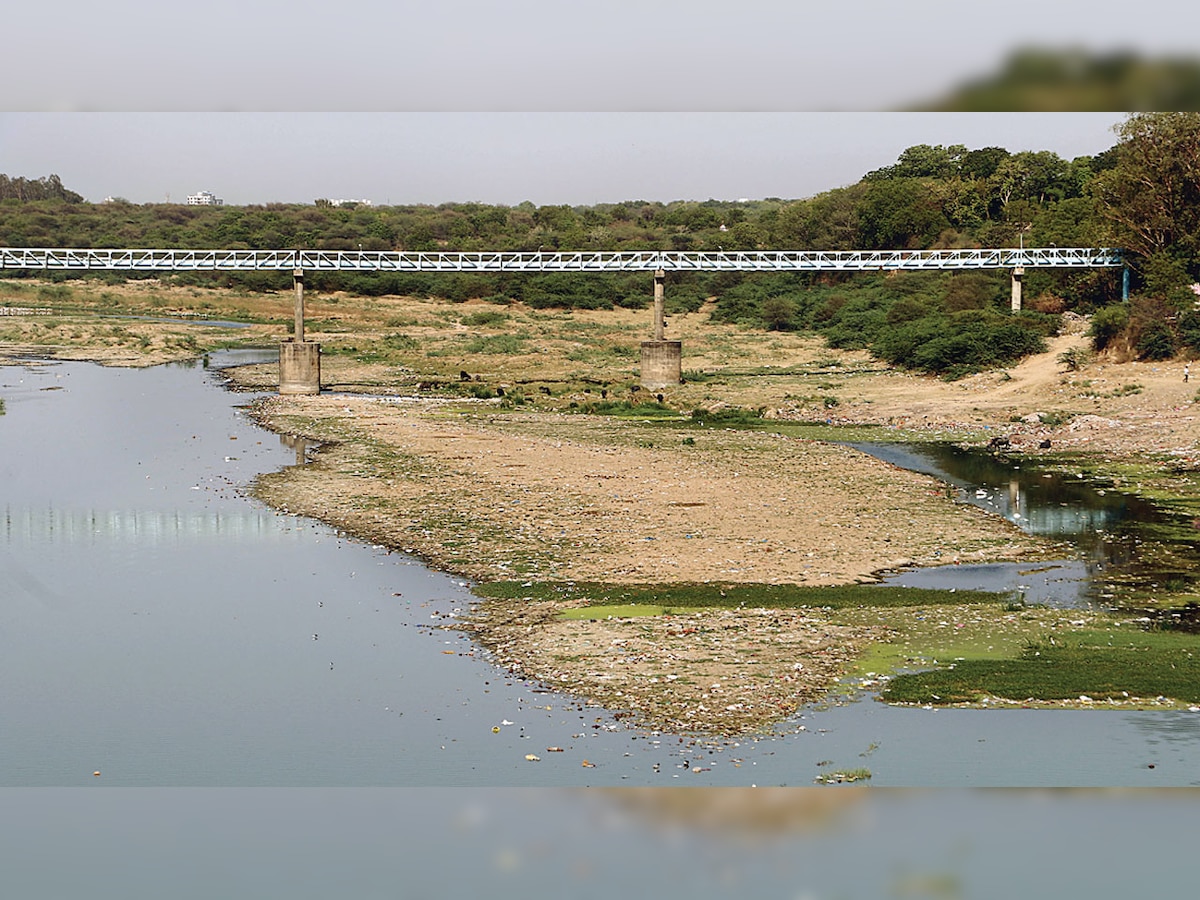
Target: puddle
[1064,583]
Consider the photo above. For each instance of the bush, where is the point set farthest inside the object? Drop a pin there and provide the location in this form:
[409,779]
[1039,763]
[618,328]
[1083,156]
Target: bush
[779,314]
[957,345]
[1108,324]
[1075,358]
[728,416]
[497,344]
[1189,329]
[1156,341]
[486,317]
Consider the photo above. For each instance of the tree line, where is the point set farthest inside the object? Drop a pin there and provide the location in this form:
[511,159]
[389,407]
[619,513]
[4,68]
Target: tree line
[1142,194]
[23,190]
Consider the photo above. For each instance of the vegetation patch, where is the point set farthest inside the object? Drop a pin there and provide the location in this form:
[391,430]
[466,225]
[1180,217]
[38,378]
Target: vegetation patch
[1099,665]
[728,417]
[624,409]
[733,596]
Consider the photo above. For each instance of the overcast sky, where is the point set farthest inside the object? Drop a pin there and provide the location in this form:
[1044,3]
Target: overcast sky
[612,55]
[575,158]
[539,100]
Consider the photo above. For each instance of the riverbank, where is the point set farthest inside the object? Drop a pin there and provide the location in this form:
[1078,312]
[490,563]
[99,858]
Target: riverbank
[465,439]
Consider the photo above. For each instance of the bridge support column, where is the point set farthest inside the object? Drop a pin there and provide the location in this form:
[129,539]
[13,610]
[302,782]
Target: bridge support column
[660,324]
[298,283]
[661,359]
[1017,274]
[299,360]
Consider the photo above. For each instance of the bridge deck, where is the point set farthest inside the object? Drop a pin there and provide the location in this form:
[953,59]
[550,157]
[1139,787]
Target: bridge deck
[569,261]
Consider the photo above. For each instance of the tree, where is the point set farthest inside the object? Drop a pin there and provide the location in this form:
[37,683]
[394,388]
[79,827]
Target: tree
[26,190]
[924,161]
[901,213]
[1151,195]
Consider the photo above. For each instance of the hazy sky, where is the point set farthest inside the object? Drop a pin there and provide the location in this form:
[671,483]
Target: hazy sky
[402,102]
[575,158]
[613,55]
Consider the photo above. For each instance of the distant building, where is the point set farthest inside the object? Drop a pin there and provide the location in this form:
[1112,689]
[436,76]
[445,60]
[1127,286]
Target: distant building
[204,198]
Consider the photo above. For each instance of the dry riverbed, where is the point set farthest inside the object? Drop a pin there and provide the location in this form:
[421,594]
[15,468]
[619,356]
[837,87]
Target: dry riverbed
[495,495]
[544,494]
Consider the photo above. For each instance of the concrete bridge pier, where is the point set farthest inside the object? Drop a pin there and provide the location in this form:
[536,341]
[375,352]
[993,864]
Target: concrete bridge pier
[661,359]
[299,360]
[1017,275]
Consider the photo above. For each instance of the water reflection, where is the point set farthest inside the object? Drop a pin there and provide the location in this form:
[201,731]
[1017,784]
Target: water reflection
[1111,531]
[36,527]
[1063,583]
[298,445]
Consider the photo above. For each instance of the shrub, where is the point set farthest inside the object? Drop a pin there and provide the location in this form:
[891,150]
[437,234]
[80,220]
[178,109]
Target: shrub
[728,416]
[485,317]
[956,345]
[401,342]
[778,314]
[1189,329]
[1075,358]
[1108,324]
[1156,341]
[497,343]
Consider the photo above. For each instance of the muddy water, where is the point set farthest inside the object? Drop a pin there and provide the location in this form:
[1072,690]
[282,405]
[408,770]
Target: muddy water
[159,628]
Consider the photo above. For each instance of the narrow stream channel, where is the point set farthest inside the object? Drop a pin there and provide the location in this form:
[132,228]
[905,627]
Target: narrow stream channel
[158,627]
[1109,530]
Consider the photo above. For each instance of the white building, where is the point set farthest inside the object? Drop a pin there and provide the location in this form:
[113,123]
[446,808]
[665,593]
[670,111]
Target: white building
[204,198]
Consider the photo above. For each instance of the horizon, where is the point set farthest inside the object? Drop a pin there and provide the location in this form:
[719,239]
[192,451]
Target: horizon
[502,159]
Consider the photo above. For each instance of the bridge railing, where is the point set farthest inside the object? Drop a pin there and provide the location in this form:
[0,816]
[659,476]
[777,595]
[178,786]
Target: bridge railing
[153,260]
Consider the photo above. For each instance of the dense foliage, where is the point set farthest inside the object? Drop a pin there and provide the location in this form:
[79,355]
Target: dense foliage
[24,189]
[1143,194]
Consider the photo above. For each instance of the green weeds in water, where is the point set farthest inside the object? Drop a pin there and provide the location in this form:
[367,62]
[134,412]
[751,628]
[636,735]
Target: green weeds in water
[1100,665]
[734,596]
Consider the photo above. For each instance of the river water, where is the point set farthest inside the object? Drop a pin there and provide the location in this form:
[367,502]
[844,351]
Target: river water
[160,628]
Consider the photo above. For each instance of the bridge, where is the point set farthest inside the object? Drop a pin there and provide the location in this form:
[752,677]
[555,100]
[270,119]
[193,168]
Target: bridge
[299,360]
[558,261]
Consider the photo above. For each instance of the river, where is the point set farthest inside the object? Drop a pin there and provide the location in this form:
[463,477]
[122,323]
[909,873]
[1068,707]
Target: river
[161,629]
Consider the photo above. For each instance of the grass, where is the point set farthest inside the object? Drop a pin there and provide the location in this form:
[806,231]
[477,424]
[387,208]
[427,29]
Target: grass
[626,410]
[696,596]
[1098,664]
[497,344]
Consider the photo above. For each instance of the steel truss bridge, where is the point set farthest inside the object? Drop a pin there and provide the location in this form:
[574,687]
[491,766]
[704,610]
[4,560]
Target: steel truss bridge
[566,261]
